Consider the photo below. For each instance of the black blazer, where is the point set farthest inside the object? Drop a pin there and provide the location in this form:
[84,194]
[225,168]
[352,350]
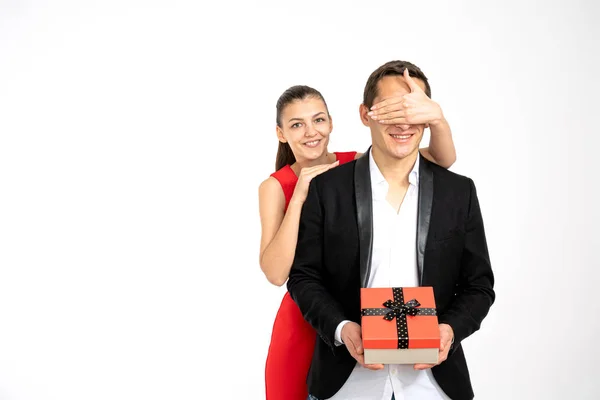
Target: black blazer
[333,260]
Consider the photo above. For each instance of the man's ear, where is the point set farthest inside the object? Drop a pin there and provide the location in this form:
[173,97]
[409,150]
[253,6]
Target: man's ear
[280,135]
[364,117]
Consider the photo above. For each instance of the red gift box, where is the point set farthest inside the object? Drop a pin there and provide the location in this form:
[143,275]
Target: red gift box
[399,325]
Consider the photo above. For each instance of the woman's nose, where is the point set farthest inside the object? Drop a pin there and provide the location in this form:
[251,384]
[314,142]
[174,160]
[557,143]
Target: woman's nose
[310,131]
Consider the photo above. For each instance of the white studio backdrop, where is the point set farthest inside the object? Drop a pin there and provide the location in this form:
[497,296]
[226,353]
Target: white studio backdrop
[134,135]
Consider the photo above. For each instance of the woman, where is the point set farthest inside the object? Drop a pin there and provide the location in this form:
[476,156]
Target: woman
[303,129]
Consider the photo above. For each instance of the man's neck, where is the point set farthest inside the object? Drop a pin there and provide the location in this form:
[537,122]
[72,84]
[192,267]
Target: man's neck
[395,170]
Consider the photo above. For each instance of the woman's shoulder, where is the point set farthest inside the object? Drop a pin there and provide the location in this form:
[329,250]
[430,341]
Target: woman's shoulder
[345,156]
[284,175]
[269,187]
[281,181]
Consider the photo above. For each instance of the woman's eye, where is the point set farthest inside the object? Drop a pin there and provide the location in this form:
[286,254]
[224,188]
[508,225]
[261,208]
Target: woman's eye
[296,125]
[320,120]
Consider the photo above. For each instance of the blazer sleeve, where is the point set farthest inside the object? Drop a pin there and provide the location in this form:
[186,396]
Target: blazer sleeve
[475,294]
[306,282]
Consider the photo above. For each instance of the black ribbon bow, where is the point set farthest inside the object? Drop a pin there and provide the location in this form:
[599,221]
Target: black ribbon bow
[398,309]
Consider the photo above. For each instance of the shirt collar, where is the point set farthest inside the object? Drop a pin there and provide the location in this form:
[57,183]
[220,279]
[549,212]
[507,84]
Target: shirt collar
[380,186]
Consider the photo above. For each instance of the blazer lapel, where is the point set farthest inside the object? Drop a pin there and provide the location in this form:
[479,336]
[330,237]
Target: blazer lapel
[424,212]
[364,214]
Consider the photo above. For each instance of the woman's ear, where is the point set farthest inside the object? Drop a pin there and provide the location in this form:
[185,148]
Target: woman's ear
[280,135]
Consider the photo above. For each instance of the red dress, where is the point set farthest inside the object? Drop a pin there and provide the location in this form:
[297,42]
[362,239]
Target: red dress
[293,339]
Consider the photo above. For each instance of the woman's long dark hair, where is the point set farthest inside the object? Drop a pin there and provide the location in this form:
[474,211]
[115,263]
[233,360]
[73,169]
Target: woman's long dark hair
[285,155]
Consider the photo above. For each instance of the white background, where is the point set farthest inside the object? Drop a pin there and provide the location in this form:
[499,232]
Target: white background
[134,135]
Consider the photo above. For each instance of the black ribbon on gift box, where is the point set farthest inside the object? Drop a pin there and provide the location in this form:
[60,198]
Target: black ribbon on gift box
[398,309]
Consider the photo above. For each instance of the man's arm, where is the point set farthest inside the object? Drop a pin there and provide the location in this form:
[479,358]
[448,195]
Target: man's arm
[305,283]
[474,294]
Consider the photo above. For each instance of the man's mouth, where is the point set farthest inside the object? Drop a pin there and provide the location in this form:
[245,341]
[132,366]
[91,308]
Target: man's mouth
[402,138]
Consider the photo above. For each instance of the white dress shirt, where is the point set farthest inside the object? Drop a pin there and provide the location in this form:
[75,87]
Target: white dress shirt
[394,264]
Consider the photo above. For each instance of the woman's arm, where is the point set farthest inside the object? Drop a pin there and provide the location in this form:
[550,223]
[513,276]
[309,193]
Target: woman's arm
[279,231]
[280,228]
[441,146]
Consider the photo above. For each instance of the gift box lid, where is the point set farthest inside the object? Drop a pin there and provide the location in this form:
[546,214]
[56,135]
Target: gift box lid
[388,323]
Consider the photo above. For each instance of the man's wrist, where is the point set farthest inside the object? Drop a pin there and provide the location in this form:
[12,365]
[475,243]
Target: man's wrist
[451,332]
[338,333]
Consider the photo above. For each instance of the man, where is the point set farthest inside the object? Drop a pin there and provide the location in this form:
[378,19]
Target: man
[390,219]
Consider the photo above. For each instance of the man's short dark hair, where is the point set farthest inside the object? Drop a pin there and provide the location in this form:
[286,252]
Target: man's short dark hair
[392,68]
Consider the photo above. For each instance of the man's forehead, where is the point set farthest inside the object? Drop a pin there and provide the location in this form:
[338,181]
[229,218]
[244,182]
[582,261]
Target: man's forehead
[393,86]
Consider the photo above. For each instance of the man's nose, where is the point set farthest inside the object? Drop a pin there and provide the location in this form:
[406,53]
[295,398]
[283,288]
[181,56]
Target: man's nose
[404,127]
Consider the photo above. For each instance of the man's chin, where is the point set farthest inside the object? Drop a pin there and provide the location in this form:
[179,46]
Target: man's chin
[402,153]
